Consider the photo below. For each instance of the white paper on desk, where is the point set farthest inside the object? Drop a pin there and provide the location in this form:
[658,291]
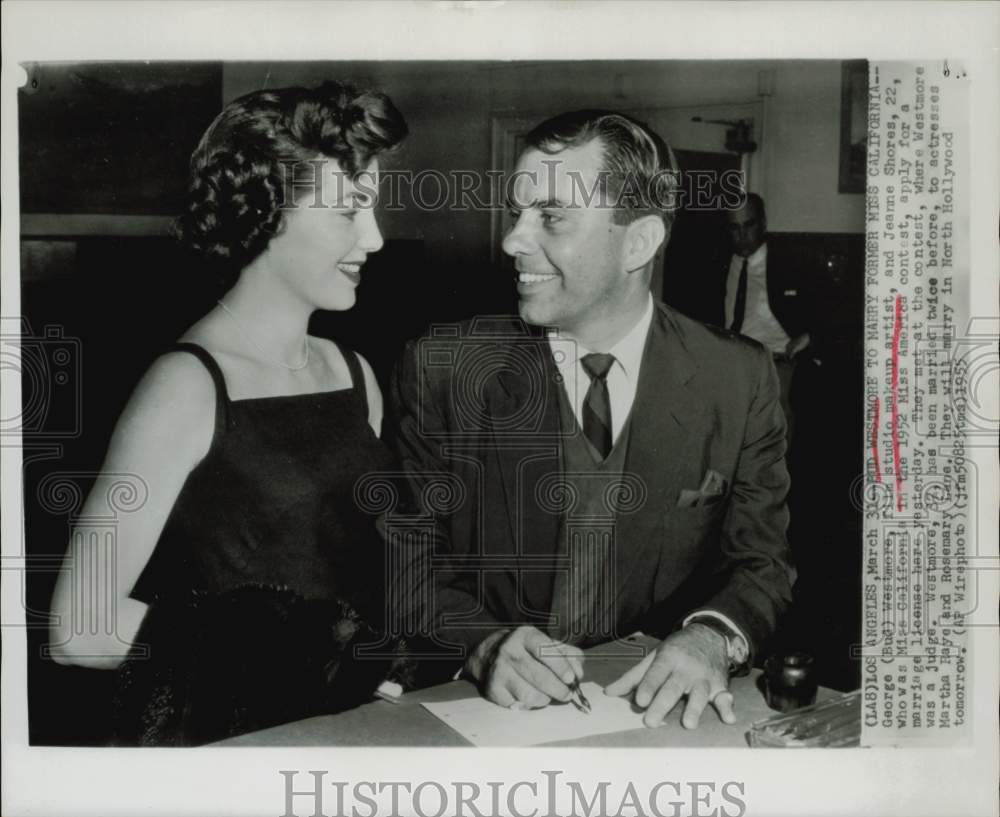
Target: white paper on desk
[486,724]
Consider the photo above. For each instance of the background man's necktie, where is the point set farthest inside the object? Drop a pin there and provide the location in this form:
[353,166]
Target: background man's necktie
[740,306]
[597,403]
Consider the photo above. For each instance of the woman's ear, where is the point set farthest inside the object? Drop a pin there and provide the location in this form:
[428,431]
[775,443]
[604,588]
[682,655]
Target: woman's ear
[643,238]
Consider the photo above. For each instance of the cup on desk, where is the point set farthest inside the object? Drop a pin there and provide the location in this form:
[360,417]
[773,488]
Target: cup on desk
[790,681]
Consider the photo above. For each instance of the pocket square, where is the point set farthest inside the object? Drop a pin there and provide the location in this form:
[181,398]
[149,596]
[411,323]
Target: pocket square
[688,499]
[714,484]
[712,490]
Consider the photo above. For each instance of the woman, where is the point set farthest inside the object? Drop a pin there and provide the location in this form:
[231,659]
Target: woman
[236,588]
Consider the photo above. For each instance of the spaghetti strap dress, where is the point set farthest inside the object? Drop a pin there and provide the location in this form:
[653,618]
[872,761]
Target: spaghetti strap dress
[267,570]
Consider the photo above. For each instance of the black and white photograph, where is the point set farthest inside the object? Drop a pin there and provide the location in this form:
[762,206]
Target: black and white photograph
[480,377]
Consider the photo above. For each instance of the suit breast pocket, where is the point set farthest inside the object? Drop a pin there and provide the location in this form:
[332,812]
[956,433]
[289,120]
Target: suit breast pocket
[694,530]
[708,511]
[690,540]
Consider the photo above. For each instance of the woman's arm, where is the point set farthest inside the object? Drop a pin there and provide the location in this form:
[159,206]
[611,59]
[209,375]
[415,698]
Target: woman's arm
[164,431]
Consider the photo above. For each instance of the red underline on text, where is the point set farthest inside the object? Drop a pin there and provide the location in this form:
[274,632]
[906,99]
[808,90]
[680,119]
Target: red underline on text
[897,330]
[878,463]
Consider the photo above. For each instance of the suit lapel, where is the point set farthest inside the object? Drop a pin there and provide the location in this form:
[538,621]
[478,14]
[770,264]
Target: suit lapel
[668,430]
[525,429]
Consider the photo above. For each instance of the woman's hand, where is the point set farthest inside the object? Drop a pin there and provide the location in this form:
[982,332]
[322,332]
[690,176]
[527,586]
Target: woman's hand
[98,650]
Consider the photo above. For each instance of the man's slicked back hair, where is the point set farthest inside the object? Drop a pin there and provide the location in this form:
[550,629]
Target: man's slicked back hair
[639,175]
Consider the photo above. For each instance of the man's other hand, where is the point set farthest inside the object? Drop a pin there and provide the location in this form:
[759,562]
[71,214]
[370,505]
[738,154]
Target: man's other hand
[524,668]
[692,662]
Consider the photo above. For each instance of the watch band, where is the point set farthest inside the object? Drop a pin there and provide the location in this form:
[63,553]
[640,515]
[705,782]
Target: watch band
[736,648]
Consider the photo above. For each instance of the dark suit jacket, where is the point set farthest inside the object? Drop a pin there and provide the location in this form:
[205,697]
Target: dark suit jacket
[477,405]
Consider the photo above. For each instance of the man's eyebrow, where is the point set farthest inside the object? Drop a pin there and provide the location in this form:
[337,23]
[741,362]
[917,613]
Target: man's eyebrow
[541,204]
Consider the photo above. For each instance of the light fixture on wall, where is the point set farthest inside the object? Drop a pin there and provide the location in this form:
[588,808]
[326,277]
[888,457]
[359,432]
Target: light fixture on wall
[739,133]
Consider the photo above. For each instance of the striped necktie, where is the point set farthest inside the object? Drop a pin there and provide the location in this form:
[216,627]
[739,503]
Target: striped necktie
[597,403]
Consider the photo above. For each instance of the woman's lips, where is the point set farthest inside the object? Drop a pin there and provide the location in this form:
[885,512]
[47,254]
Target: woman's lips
[351,271]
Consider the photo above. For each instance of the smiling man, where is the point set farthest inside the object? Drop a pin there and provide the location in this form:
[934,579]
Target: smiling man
[618,466]
[568,256]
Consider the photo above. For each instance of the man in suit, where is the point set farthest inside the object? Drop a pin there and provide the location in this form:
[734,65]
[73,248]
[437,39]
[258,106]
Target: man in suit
[762,296]
[609,464]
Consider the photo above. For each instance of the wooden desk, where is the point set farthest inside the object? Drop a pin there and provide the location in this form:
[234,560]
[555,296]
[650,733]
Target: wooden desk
[407,723]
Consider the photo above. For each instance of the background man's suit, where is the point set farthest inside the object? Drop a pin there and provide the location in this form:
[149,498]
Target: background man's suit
[787,289]
[702,294]
[483,404]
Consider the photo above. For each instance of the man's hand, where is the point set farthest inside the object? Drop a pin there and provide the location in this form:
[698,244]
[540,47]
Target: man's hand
[524,668]
[691,662]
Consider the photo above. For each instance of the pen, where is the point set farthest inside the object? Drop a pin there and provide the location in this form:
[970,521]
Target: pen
[580,701]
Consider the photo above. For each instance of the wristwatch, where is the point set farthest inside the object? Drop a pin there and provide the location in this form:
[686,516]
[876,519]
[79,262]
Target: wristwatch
[736,645]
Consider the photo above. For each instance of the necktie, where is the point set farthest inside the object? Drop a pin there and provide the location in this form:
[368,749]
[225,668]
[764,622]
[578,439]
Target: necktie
[740,307]
[597,403]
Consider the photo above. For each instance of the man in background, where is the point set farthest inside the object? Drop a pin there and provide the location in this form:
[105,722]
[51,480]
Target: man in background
[762,298]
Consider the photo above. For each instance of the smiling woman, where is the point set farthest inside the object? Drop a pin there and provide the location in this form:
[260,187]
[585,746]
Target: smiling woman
[319,254]
[241,585]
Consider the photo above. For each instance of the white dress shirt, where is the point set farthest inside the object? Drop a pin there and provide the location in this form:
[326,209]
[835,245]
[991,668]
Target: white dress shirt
[622,379]
[759,322]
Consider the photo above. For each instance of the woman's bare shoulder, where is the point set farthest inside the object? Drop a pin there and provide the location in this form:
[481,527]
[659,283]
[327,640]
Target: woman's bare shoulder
[177,376]
[174,401]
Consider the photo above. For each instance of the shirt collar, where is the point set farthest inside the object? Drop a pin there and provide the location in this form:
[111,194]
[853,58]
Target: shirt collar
[758,256]
[627,352]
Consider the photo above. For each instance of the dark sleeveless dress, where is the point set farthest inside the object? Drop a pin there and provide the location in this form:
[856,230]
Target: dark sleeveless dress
[266,572]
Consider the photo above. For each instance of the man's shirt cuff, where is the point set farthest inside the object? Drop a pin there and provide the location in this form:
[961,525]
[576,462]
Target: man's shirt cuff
[743,644]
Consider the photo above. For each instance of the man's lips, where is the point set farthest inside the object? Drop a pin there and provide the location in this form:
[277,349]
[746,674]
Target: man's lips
[529,279]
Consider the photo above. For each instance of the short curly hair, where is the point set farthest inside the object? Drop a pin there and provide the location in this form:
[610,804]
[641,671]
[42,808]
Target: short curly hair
[239,169]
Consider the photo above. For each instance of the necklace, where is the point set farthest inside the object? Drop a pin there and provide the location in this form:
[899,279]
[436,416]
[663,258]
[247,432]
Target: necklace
[305,342]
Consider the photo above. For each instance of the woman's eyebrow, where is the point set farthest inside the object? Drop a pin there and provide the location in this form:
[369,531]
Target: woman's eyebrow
[356,198]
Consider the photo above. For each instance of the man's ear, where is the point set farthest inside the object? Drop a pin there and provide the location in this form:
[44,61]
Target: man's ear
[643,238]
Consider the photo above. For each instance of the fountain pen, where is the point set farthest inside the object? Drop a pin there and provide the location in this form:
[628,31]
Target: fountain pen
[579,699]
